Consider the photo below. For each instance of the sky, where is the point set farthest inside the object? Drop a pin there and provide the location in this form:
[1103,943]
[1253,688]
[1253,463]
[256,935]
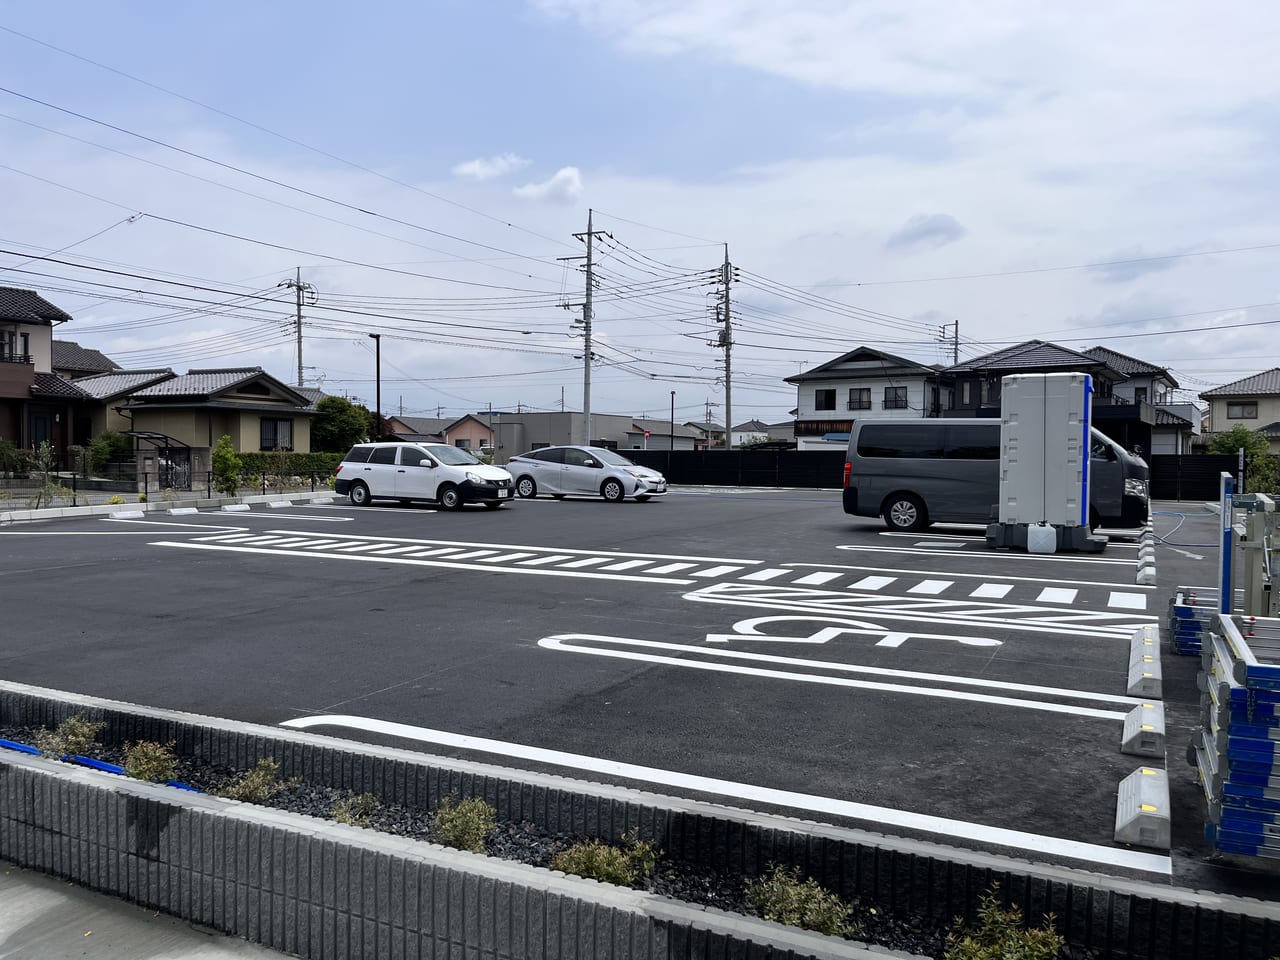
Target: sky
[878,173]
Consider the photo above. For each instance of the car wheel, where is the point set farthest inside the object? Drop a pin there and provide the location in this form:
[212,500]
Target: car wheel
[526,488]
[493,504]
[642,498]
[450,498]
[905,512]
[1095,521]
[359,494]
[612,490]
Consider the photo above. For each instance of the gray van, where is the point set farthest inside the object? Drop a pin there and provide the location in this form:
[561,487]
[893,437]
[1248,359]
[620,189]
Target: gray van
[917,472]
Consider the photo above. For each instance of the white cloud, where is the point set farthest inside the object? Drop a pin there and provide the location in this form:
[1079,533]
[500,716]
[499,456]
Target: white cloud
[565,186]
[926,231]
[486,168]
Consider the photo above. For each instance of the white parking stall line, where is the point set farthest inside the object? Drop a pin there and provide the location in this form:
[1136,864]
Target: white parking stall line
[1056,595]
[872,583]
[951,544]
[942,827]
[715,571]
[627,565]
[821,577]
[1022,557]
[1127,601]
[991,591]
[672,568]
[767,574]
[957,574]
[586,562]
[505,558]
[230,538]
[550,558]
[930,587]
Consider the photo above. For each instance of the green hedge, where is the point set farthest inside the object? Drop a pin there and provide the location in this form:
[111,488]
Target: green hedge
[294,464]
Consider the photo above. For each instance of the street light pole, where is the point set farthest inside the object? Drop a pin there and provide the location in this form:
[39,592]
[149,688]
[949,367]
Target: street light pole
[377,353]
[671,442]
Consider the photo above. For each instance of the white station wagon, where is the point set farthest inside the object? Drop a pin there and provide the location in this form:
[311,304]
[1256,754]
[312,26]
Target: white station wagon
[449,476]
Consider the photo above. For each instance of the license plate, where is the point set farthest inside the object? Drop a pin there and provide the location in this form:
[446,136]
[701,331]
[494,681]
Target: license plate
[504,493]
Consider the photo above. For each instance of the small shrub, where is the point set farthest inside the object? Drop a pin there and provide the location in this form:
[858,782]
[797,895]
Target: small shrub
[781,896]
[146,760]
[596,860]
[356,810]
[72,736]
[465,825]
[1001,935]
[115,500]
[641,854]
[142,498]
[256,785]
[226,467]
[168,494]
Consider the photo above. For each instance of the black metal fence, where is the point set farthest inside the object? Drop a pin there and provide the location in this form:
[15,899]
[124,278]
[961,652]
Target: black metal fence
[746,468]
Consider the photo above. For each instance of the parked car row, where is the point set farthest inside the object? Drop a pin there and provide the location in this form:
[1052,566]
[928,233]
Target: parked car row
[452,477]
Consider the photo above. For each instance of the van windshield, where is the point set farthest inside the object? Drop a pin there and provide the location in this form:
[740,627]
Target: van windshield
[451,456]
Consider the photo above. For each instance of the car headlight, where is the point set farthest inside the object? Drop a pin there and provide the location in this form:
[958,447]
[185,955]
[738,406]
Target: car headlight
[475,477]
[1135,488]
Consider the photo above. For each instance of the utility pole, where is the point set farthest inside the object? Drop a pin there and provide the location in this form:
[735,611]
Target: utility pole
[726,341]
[587,357]
[299,288]
[377,343]
[955,339]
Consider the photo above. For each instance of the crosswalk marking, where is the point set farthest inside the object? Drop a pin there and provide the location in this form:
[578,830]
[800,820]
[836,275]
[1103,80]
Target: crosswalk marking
[768,574]
[437,552]
[360,547]
[672,568]
[505,558]
[549,558]
[1127,601]
[872,583]
[1057,595]
[817,578]
[399,549]
[585,562]
[931,587]
[317,544]
[992,591]
[473,554]
[715,571]
[627,565]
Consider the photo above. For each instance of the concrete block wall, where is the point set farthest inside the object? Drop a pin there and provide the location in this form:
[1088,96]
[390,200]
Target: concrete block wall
[1112,916]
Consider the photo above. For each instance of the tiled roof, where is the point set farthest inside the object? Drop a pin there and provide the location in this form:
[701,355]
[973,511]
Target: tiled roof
[107,385]
[311,393]
[1032,355]
[890,365]
[1260,384]
[427,426]
[1271,430]
[1166,419]
[200,383]
[662,428]
[69,355]
[27,306]
[754,425]
[52,385]
[1129,366]
[704,426]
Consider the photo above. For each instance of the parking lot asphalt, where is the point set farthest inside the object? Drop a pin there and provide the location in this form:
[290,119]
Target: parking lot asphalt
[756,647]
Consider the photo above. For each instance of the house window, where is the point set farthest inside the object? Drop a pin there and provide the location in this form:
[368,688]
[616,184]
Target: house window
[1139,394]
[1242,411]
[464,444]
[824,399]
[276,434]
[966,394]
[895,398]
[859,398]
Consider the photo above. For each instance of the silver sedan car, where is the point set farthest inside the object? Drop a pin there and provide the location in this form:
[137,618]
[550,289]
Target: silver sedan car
[584,471]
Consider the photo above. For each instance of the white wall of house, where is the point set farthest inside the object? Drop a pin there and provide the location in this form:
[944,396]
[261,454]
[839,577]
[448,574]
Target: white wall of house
[809,394]
[1254,413]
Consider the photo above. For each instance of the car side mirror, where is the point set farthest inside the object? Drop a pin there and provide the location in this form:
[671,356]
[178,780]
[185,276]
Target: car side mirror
[426,463]
[590,463]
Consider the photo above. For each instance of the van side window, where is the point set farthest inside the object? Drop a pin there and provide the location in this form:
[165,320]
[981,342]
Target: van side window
[383,455]
[973,442]
[901,441]
[358,455]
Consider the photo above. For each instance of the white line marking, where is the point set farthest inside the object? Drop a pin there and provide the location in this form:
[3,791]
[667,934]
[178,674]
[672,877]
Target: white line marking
[931,587]
[473,554]
[1056,595]
[360,547]
[992,591]
[565,641]
[954,573]
[445,564]
[674,568]
[767,574]
[505,558]
[951,544]
[1022,557]
[1128,601]
[715,571]
[234,538]
[552,558]
[387,549]
[821,577]
[627,565]
[316,544]
[305,516]
[872,583]
[338,544]
[584,562]
[886,816]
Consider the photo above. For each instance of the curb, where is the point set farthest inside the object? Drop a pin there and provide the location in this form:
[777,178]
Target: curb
[1146,575]
[187,505]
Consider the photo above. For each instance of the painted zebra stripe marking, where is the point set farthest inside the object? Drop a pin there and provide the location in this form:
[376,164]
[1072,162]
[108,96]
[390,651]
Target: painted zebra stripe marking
[931,587]
[992,591]
[1056,595]
[761,575]
[872,583]
[816,579]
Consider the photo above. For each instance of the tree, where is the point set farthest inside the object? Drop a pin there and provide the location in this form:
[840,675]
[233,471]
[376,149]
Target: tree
[338,424]
[226,468]
[1260,465]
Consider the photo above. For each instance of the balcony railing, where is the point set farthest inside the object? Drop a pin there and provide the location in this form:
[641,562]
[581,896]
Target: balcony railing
[17,358]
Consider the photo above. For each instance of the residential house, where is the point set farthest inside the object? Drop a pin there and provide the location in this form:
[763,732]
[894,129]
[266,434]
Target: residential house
[1252,402]
[749,431]
[36,405]
[418,428]
[473,431]
[862,384]
[1176,423]
[649,434]
[72,361]
[181,418]
[110,391]
[709,434]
